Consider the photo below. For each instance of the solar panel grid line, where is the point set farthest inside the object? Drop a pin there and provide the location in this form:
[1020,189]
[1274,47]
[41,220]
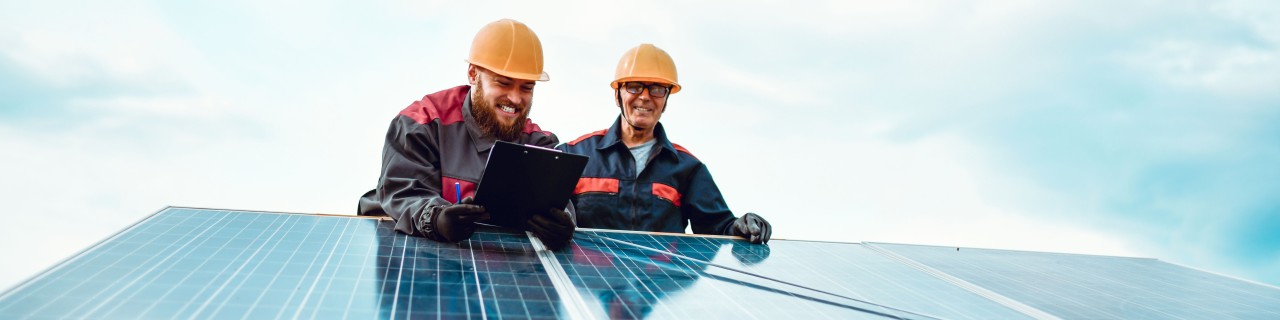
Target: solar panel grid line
[1271,300]
[103,302]
[1228,304]
[865,270]
[275,229]
[76,256]
[1045,292]
[630,265]
[255,305]
[162,302]
[287,303]
[171,290]
[37,285]
[413,280]
[749,274]
[439,265]
[325,265]
[43,298]
[1125,298]
[326,275]
[1074,280]
[702,245]
[576,307]
[630,275]
[1068,285]
[983,292]
[369,251]
[400,275]
[479,290]
[1221,275]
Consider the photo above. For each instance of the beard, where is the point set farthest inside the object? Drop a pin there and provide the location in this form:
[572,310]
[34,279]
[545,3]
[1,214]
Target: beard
[487,118]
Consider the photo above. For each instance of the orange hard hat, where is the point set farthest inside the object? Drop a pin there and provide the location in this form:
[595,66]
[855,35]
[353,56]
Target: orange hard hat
[648,63]
[509,48]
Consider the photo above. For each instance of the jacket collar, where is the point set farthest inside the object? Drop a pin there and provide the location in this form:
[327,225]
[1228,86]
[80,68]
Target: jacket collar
[614,137]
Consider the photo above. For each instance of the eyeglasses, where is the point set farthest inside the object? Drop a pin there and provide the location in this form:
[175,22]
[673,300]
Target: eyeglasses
[655,90]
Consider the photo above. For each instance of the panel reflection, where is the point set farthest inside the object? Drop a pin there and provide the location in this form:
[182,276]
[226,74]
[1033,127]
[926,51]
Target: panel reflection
[632,276]
[494,274]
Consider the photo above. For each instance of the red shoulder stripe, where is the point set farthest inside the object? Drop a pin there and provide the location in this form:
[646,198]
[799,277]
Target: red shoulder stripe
[530,128]
[682,149]
[585,136]
[445,105]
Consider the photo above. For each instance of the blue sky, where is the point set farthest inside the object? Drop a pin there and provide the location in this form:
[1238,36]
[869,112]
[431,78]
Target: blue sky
[1141,128]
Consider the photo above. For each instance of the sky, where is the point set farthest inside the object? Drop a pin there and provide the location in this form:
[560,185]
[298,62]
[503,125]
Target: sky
[1133,128]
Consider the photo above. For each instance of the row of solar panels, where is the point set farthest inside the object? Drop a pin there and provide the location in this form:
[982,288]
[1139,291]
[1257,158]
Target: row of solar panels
[201,263]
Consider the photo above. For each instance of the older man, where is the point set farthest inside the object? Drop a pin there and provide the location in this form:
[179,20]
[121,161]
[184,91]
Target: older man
[436,148]
[637,179]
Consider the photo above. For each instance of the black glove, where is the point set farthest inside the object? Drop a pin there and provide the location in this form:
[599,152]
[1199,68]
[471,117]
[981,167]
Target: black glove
[554,228]
[752,227]
[456,222]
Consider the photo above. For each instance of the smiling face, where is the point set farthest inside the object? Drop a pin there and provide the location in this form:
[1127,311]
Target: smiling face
[499,104]
[643,110]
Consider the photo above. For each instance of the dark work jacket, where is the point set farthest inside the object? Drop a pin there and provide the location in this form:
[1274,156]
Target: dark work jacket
[430,145]
[674,191]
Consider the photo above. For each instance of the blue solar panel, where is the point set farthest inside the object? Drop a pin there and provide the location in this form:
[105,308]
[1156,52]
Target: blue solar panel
[1100,287]
[202,263]
[184,263]
[849,274]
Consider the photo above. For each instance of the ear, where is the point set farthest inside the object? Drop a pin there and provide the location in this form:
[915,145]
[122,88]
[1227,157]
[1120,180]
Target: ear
[473,75]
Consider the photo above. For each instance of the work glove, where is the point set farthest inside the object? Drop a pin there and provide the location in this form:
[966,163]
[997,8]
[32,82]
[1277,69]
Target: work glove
[752,227]
[554,228]
[456,222]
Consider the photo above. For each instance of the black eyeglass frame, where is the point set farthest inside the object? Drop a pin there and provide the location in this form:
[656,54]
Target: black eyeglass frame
[656,90]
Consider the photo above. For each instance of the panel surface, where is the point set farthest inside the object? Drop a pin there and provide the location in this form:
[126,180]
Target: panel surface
[203,263]
[183,263]
[836,280]
[1076,286]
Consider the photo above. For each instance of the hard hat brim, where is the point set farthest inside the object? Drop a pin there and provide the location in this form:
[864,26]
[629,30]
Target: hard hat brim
[515,75]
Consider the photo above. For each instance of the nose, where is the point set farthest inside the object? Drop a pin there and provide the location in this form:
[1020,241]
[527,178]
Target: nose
[515,97]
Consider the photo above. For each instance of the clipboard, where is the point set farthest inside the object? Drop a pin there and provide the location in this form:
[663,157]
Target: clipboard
[520,180]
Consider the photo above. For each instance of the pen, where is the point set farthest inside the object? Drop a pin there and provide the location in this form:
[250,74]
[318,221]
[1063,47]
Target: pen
[457,192]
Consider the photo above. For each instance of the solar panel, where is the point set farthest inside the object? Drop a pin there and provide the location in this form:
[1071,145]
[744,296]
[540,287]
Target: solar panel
[183,263]
[849,274]
[1100,287]
[204,263]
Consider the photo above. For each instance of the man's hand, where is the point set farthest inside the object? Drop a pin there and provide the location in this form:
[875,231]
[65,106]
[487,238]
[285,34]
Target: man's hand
[752,227]
[554,228]
[456,222]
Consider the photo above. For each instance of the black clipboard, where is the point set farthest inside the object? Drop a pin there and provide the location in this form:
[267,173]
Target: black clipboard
[520,180]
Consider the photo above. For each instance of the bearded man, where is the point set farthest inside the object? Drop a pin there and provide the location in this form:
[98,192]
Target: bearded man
[436,148]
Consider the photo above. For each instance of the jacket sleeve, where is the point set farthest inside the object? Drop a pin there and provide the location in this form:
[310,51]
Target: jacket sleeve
[704,206]
[409,186]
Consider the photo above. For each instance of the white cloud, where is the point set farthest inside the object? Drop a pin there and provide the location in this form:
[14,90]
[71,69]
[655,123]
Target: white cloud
[1233,69]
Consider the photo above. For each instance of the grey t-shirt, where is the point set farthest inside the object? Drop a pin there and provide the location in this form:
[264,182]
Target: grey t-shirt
[641,154]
